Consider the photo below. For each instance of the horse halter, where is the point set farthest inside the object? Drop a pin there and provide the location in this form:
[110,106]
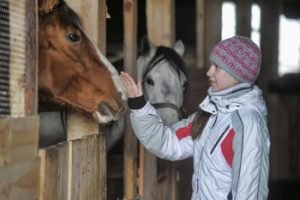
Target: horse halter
[151,65]
[168,105]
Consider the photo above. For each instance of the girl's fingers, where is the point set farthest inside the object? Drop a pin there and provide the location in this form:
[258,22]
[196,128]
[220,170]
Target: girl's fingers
[131,86]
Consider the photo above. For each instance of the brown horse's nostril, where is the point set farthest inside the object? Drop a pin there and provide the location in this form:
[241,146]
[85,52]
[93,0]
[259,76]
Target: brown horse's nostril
[105,110]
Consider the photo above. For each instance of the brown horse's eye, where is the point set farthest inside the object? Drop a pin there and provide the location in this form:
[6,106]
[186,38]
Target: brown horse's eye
[74,37]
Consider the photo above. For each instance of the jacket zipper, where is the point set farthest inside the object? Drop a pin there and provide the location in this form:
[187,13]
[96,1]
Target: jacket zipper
[214,147]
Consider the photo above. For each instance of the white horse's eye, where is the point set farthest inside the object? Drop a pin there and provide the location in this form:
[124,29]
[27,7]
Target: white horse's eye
[149,81]
[185,85]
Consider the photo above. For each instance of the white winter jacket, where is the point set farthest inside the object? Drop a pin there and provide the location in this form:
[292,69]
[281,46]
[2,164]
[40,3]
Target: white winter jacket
[231,157]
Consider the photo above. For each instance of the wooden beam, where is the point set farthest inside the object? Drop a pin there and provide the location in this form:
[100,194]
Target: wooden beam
[213,25]
[130,36]
[20,58]
[269,41]
[87,168]
[54,172]
[31,91]
[161,31]
[278,107]
[161,22]
[19,138]
[130,141]
[20,181]
[102,15]
[200,33]
[243,17]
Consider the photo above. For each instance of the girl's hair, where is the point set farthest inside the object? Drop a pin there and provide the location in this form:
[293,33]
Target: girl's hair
[199,123]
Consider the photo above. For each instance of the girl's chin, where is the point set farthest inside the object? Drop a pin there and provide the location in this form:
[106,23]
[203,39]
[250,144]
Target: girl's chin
[214,87]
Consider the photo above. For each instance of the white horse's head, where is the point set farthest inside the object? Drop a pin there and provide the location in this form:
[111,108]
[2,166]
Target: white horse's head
[162,71]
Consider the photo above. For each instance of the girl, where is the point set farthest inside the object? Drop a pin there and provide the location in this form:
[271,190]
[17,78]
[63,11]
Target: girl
[227,137]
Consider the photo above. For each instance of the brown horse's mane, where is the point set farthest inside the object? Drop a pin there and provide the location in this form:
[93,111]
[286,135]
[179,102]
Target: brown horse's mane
[67,16]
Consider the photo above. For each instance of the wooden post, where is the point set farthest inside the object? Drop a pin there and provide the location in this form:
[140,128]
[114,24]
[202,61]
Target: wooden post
[200,30]
[18,58]
[243,17]
[161,31]
[130,141]
[161,22]
[279,161]
[19,162]
[31,86]
[19,125]
[213,25]
[269,41]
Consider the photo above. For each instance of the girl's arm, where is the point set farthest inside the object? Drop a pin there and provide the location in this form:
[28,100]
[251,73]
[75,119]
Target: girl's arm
[250,170]
[167,142]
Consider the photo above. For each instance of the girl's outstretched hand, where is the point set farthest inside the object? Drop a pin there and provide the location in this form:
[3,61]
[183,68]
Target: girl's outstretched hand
[133,89]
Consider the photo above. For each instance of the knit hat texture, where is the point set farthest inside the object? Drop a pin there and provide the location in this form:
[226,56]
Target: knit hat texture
[239,56]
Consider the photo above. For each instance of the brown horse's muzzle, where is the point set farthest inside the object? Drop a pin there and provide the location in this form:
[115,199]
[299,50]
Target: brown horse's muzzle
[107,112]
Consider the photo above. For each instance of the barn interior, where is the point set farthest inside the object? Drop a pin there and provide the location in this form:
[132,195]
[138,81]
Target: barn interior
[81,167]
[275,26]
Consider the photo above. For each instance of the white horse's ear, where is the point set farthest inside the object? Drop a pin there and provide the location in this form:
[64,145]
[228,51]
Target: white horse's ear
[179,47]
[152,48]
[147,46]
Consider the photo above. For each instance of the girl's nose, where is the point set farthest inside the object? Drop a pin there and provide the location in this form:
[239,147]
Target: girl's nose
[210,71]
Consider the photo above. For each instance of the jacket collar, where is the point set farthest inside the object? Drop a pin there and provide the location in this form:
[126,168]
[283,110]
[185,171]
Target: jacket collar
[231,99]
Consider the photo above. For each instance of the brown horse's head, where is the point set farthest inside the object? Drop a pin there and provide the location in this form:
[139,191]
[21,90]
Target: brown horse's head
[72,70]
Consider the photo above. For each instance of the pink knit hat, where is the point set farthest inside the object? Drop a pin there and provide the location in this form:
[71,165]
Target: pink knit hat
[239,56]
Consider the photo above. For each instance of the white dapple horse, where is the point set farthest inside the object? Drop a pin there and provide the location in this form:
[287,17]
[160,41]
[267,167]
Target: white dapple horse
[164,79]
[163,74]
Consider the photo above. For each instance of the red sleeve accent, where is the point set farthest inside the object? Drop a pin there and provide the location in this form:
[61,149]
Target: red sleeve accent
[227,148]
[184,132]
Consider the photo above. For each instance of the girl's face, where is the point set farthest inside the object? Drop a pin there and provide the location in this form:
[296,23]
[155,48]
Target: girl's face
[219,79]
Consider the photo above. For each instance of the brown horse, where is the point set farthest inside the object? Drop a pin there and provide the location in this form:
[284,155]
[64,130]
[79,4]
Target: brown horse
[72,70]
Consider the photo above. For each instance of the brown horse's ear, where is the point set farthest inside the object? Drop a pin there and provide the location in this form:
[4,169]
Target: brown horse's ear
[46,6]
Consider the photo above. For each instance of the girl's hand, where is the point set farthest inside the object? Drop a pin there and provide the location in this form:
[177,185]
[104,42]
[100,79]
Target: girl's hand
[133,89]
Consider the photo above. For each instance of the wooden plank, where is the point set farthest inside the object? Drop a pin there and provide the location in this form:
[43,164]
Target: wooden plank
[200,33]
[161,22]
[279,161]
[87,169]
[243,17]
[20,181]
[213,24]
[22,58]
[141,172]
[130,36]
[130,141]
[31,62]
[102,15]
[102,168]
[115,166]
[54,172]
[17,52]
[150,181]
[269,41]
[19,139]
[161,31]
[80,126]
